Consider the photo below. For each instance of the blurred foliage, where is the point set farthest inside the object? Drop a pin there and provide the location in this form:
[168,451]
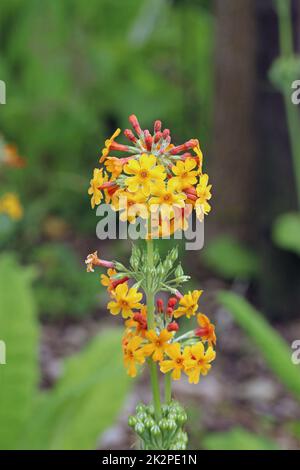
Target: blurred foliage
[62,286]
[283,72]
[19,330]
[230,259]
[84,401]
[270,344]
[286,232]
[237,439]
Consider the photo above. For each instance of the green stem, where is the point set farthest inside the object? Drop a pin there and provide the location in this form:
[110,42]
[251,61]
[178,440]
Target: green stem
[284,13]
[151,323]
[168,388]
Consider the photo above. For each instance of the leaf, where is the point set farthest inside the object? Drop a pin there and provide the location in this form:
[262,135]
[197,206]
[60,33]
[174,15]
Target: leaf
[231,259]
[85,401]
[237,439]
[19,331]
[271,345]
[286,232]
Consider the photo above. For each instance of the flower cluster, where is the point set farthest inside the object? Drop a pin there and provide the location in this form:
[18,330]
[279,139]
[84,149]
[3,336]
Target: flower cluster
[155,179]
[190,353]
[162,184]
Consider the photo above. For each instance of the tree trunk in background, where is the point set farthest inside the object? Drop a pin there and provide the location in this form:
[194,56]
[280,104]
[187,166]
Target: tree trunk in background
[278,293]
[233,164]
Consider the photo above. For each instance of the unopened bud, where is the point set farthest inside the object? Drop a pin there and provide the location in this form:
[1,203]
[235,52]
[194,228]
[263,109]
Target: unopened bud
[160,305]
[172,302]
[169,311]
[173,326]
[179,271]
[157,137]
[135,124]
[157,126]
[166,133]
[130,136]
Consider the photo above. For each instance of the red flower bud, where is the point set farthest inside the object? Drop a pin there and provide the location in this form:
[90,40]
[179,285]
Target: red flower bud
[115,283]
[160,305]
[148,139]
[157,126]
[135,124]
[172,302]
[173,326]
[119,147]
[170,311]
[166,133]
[157,137]
[186,146]
[130,136]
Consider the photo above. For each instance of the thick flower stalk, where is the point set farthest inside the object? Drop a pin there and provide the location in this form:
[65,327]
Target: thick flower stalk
[155,177]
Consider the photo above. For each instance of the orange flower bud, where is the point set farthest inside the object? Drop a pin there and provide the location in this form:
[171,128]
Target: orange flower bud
[173,326]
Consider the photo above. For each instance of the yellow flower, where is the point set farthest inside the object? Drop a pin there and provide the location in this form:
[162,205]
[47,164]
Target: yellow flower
[108,142]
[167,199]
[203,192]
[206,330]
[97,181]
[114,165]
[157,344]
[185,175]
[188,304]
[125,300]
[11,206]
[176,364]
[130,205]
[106,279]
[199,154]
[198,362]
[145,174]
[133,354]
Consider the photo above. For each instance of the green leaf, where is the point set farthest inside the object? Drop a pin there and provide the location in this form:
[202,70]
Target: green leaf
[19,331]
[271,345]
[286,232]
[237,439]
[85,401]
[284,71]
[230,259]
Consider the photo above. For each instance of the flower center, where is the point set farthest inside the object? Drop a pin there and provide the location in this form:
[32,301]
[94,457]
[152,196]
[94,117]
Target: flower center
[124,303]
[144,174]
[167,197]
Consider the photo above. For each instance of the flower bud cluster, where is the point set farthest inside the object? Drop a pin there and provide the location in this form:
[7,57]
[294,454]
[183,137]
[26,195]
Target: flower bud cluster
[165,434]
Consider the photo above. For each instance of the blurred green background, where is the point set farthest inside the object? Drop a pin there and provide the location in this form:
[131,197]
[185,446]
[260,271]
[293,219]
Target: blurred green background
[220,71]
